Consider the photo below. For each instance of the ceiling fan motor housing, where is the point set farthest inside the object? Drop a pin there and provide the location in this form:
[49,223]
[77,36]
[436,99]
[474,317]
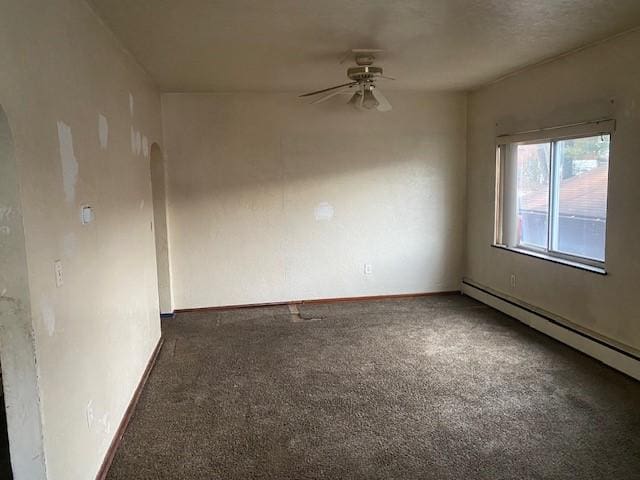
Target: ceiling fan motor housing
[364,72]
[364,58]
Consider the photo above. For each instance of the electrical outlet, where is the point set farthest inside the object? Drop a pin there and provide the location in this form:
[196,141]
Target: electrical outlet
[57,268]
[368,269]
[512,281]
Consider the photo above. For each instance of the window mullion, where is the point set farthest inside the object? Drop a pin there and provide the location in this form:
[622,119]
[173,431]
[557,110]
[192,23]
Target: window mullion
[554,198]
[550,210]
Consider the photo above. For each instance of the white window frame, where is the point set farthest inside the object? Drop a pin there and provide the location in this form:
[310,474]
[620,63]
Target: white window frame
[505,168]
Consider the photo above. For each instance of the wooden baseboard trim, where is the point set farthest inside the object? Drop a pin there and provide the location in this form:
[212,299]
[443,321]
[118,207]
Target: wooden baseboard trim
[231,307]
[319,300]
[117,438]
[381,297]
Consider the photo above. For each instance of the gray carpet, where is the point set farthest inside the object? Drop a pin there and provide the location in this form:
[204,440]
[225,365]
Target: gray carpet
[427,388]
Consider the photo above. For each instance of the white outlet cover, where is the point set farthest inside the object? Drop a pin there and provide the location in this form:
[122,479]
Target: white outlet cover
[323,212]
[368,269]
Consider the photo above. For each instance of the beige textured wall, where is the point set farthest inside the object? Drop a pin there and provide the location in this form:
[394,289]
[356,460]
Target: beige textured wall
[601,81]
[158,187]
[253,178]
[59,70]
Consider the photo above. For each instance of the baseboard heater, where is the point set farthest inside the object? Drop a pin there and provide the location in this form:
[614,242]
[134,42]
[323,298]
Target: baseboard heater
[616,356]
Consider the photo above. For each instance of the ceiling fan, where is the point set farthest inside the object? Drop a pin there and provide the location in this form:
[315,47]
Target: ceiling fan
[366,94]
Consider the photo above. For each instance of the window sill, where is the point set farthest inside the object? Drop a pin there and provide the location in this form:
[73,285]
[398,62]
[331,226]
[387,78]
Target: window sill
[550,258]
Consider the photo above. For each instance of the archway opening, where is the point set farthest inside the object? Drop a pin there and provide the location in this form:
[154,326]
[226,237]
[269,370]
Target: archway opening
[8,198]
[5,457]
[21,449]
[158,188]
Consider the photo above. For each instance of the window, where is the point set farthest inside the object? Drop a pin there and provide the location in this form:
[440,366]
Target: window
[551,192]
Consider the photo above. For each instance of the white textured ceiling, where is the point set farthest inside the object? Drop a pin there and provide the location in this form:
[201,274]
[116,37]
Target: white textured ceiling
[295,45]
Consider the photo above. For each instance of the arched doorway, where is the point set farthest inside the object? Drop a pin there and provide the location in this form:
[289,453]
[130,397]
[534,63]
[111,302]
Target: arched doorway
[17,352]
[5,457]
[158,187]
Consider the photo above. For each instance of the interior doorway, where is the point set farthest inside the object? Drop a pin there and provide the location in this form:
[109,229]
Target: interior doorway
[158,187]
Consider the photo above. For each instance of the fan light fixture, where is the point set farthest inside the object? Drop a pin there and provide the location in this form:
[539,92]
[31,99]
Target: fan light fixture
[369,101]
[366,95]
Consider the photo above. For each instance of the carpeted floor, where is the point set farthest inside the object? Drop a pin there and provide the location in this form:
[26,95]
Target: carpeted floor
[428,388]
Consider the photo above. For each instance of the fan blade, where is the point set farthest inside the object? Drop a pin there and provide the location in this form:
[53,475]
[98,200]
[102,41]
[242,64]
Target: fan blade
[327,89]
[386,78]
[383,103]
[332,94]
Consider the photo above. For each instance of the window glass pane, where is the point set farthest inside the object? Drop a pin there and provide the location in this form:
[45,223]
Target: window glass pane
[582,167]
[533,170]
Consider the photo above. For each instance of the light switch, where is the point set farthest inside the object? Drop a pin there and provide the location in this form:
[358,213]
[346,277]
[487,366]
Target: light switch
[86,214]
[57,268]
